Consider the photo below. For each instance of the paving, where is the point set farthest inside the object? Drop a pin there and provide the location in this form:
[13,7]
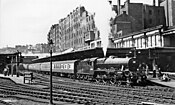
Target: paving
[170,83]
[20,80]
[14,78]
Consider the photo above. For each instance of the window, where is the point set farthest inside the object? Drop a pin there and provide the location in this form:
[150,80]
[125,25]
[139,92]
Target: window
[150,21]
[150,12]
[92,45]
[158,12]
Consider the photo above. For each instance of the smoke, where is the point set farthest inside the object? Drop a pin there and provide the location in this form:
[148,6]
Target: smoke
[103,14]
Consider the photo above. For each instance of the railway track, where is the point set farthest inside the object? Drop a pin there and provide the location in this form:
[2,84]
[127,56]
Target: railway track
[14,90]
[70,91]
[111,94]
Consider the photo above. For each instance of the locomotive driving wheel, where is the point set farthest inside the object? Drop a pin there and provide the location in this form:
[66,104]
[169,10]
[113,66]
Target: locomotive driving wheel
[97,80]
[128,82]
[119,83]
[112,81]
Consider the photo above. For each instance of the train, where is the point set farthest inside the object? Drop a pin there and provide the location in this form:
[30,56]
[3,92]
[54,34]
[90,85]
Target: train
[110,69]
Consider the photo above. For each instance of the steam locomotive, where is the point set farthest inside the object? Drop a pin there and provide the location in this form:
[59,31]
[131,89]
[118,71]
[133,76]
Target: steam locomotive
[111,69]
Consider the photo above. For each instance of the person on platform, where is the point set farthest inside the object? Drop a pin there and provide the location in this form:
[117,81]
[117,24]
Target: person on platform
[165,78]
[154,71]
[5,71]
[160,73]
[8,71]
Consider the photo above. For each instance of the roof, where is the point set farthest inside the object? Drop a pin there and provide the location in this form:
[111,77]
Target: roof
[89,53]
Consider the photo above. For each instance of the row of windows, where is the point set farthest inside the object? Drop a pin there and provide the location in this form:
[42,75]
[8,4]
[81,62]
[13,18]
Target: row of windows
[62,66]
[71,17]
[71,43]
[76,26]
[151,41]
[78,33]
[90,18]
[96,44]
[76,23]
[57,66]
[151,12]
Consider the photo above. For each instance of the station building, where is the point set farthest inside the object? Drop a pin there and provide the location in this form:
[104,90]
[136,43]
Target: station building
[157,40]
[133,17]
[149,30]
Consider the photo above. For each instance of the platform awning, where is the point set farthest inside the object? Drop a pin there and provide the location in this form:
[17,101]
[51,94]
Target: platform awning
[93,59]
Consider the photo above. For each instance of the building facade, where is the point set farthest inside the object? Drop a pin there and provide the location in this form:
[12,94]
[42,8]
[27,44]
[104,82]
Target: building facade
[147,38]
[75,31]
[41,48]
[133,17]
[169,8]
[157,23]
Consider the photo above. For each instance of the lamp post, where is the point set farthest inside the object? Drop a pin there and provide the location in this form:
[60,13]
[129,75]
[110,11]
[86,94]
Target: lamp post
[17,63]
[51,45]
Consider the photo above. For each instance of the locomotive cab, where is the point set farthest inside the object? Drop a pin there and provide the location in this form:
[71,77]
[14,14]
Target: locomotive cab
[85,68]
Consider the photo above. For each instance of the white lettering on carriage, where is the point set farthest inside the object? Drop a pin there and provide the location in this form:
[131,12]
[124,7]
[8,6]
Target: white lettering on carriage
[63,66]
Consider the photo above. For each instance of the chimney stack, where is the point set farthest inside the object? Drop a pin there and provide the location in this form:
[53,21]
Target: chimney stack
[154,2]
[118,5]
[128,1]
[160,1]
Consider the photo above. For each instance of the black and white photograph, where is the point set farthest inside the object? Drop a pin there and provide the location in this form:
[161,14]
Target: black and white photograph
[87,52]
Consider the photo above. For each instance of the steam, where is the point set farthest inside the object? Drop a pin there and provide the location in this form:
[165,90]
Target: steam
[103,14]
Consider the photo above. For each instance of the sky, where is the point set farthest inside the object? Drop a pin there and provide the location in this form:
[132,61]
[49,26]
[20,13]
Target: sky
[25,22]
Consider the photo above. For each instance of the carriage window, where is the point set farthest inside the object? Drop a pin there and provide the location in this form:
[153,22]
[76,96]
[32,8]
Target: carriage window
[65,66]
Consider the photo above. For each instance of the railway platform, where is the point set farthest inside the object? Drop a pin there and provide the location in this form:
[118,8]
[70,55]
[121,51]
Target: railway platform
[20,80]
[14,78]
[156,80]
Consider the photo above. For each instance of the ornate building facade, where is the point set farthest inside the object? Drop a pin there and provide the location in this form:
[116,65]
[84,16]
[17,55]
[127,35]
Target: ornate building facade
[75,31]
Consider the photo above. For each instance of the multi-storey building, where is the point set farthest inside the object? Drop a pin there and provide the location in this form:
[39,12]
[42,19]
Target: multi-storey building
[158,36]
[133,17]
[169,7]
[52,35]
[41,48]
[75,31]
[158,40]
